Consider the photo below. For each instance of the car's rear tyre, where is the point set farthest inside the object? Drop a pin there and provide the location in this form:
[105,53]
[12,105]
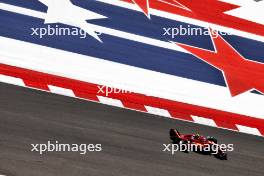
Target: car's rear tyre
[174,136]
[210,138]
[221,155]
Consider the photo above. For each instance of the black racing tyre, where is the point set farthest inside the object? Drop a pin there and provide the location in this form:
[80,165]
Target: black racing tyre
[174,136]
[221,156]
[210,138]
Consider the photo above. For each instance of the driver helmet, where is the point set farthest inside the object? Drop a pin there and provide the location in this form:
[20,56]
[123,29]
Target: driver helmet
[197,135]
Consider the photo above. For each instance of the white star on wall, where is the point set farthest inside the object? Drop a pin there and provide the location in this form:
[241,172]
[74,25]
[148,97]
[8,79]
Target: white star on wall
[63,11]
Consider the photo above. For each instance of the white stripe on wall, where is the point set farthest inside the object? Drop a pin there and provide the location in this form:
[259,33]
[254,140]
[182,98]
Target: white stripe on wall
[158,111]
[105,30]
[248,130]
[204,121]
[102,72]
[61,91]
[110,101]
[191,20]
[12,80]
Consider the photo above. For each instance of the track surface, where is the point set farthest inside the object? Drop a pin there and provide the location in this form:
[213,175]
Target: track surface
[132,141]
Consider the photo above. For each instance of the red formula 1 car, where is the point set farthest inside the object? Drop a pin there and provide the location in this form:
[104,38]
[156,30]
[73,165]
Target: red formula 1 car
[195,142]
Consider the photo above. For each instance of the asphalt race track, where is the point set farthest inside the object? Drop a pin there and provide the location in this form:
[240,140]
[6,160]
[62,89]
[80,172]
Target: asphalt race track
[131,141]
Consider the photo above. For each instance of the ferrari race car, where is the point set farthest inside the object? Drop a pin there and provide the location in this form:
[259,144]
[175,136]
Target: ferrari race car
[195,142]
